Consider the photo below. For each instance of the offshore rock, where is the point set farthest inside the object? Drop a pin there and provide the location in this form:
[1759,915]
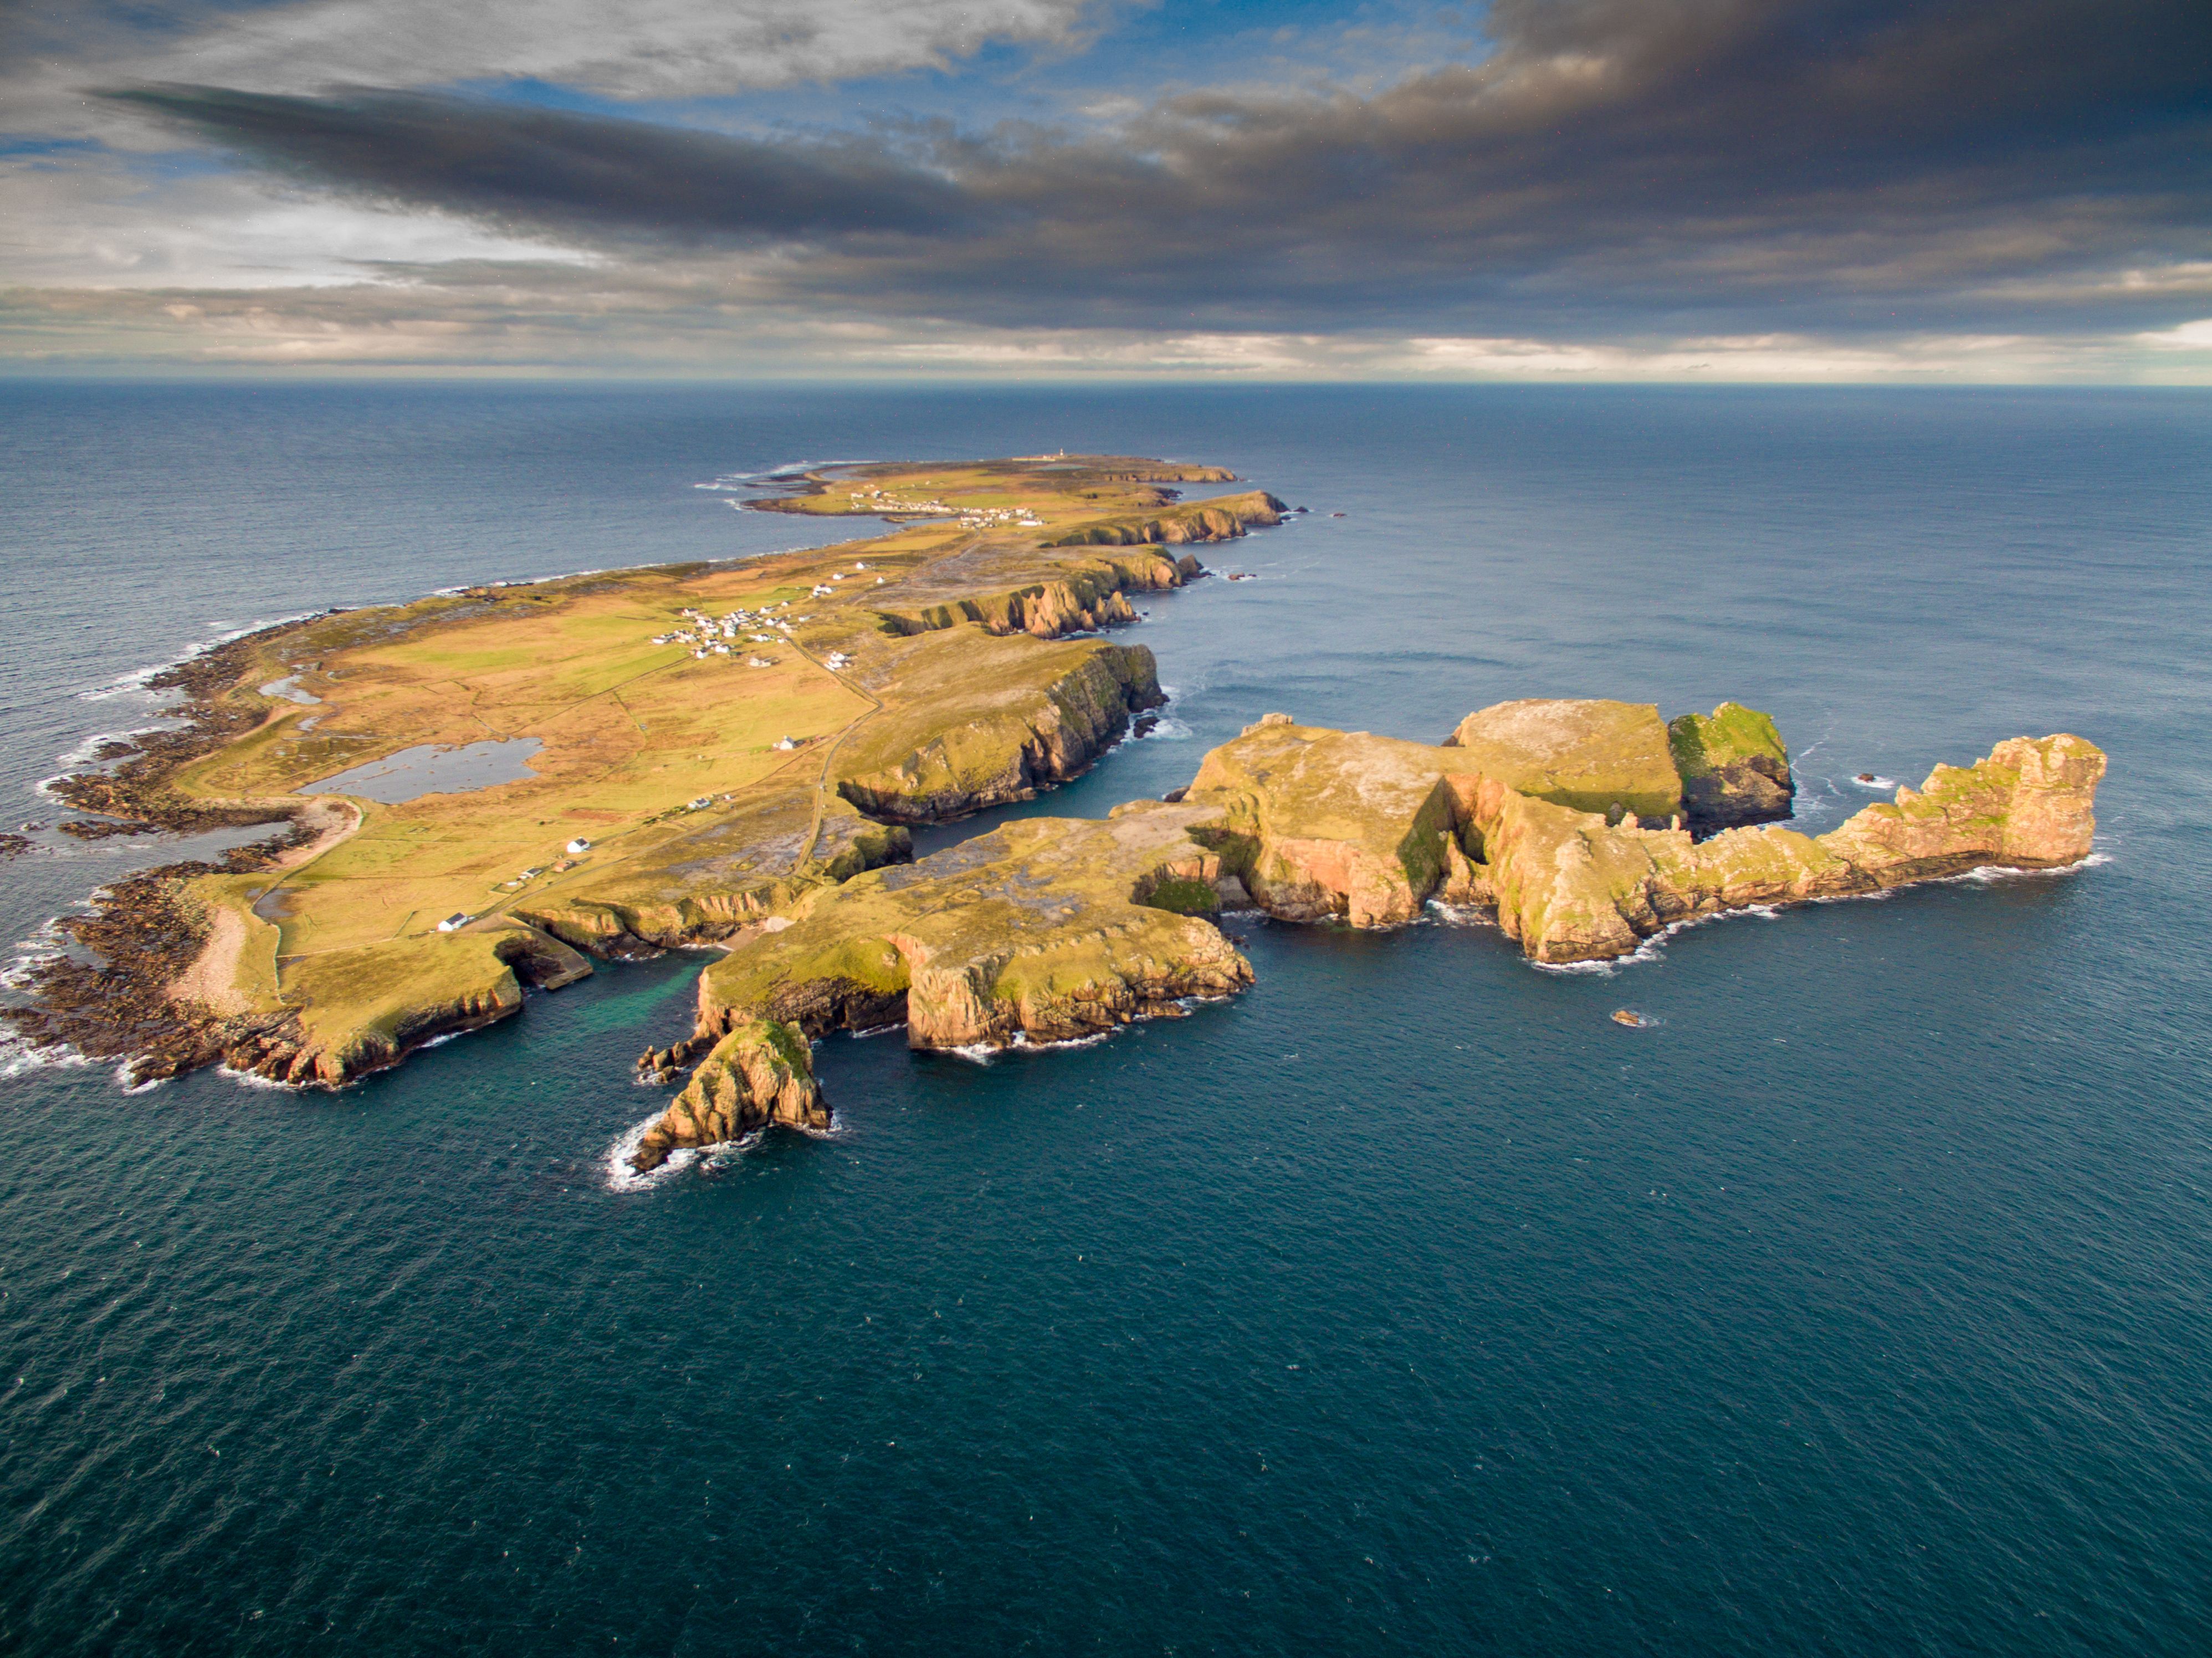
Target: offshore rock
[760,1072]
[1734,767]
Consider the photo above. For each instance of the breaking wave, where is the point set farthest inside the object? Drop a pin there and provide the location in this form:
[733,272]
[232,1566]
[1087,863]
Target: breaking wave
[1651,949]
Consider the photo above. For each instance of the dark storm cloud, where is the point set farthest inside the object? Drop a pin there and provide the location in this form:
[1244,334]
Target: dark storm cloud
[538,167]
[1728,164]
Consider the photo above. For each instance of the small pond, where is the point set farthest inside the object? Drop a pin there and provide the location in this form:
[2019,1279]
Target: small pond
[429,768]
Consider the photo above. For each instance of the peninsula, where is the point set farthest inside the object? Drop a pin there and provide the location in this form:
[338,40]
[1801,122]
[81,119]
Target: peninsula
[492,789]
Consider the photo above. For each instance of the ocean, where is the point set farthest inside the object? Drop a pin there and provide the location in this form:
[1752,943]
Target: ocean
[1861,1305]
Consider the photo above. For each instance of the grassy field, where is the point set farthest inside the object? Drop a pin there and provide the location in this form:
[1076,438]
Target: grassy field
[633,733]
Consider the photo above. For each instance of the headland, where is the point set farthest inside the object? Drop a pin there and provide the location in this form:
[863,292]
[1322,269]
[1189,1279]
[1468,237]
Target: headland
[493,788]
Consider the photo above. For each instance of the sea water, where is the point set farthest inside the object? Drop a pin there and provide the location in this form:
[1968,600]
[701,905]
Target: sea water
[1407,1304]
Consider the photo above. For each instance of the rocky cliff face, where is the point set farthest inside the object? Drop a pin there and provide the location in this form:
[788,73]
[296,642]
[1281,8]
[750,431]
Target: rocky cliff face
[1325,824]
[1220,520]
[1047,930]
[2031,805]
[1321,823]
[760,1072]
[704,878]
[404,994]
[1082,601]
[1607,757]
[1734,767]
[1572,888]
[1030,741]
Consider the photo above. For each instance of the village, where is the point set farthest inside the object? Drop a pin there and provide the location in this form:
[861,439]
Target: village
[707,635]
[970,517]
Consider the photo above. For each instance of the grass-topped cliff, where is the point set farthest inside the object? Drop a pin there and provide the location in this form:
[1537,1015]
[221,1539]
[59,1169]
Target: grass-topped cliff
[729,754]
[719,770]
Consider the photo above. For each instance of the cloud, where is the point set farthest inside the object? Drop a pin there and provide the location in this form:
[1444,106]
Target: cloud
[572,173]
[621,49]
[1604,187]
[695,318]
[1736,160]
[2190,336]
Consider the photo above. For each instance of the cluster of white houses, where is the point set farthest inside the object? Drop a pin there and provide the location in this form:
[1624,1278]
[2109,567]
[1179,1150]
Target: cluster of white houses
[709,635]
[881,500]
[991,518]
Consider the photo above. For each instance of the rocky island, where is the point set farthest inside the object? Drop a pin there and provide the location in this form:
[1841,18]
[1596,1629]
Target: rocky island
[493,788]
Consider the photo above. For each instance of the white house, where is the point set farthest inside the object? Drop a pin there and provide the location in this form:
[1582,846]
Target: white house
[578,847]
[455,922]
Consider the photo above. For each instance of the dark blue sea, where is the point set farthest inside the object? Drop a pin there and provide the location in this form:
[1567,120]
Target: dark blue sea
[1404,1305]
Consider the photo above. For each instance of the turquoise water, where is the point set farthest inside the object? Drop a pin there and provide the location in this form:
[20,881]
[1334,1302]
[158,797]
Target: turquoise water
[1404,1304]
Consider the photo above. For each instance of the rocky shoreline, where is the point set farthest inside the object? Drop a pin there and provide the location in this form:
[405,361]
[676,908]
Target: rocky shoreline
[1049,930]
[971,676]
[144,935]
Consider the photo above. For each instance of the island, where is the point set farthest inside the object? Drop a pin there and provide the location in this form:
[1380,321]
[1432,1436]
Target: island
[493,788]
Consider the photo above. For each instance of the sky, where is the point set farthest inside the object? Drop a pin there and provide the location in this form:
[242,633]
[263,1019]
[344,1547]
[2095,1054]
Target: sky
[1856,190]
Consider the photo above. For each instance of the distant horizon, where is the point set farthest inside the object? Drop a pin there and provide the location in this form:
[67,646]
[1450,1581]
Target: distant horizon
[1743,192]
[489,375]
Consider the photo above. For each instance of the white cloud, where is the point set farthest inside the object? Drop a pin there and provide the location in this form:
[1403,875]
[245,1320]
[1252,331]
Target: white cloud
[626,49]
[2190,336]
[101,224]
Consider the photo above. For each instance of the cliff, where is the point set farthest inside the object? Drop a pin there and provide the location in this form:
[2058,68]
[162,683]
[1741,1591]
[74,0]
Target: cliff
[1220,520]
[700,878]
[1323,825]
[1570,887]
[1327,824]
[1039,931]
[1319,823]
[1610,757]
[760,1072]
[1042,931]
[1734,767]
[1088,597]
[1031,723]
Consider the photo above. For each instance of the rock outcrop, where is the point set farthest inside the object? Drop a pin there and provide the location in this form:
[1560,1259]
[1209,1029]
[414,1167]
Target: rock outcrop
[1321,824]
[1039,930]
[1609,758]
[1734,767]
[1220,520]
[705,877]
[1034,737]
[1042,931]
[1570,887]
[761,1071]
[1082,601]
[2031,805]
